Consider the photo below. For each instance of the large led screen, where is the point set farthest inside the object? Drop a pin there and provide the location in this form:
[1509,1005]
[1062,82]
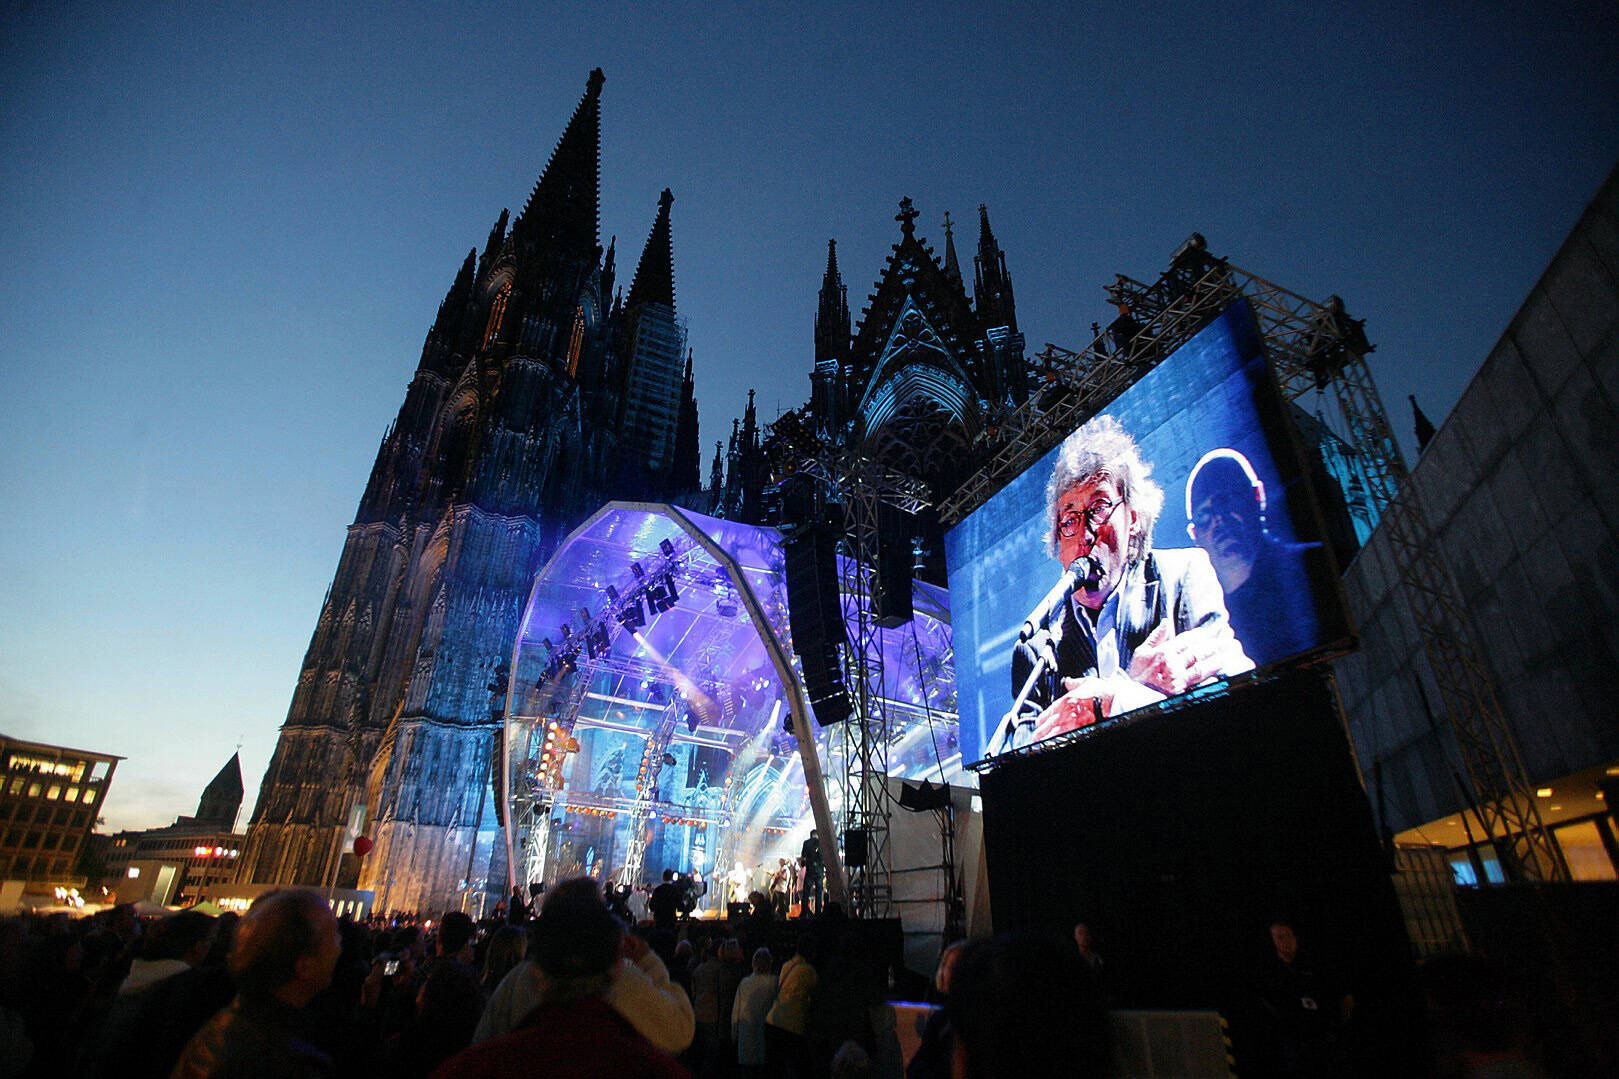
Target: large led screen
[1169,543]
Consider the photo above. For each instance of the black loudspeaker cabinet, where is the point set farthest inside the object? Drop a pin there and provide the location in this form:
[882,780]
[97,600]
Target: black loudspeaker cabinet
[823,682]
[895,530]
[854,848]
[813,611]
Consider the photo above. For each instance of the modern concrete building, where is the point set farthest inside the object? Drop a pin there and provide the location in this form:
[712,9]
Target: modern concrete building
[1519,486]
[185,862]
[50,797]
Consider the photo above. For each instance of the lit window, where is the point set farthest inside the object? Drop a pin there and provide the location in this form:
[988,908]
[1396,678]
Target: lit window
[73,794]
[33,790]
[576,340]
[497,312]
[55,792]
[133,872]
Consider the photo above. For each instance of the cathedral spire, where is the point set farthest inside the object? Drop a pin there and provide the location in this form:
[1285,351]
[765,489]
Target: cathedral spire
[831,342]
[564,208]
[716,472]
[497,237]
[461,291]
[832,312]
[992,284]
[750,426]
[688,476]
[609,267]
[952,265]
[654,280]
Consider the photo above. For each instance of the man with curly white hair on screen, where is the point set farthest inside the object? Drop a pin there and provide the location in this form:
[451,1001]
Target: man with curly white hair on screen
[1128,625]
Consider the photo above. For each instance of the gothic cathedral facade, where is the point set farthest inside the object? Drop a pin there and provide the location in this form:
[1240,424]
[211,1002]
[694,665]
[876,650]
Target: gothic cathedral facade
[540,393]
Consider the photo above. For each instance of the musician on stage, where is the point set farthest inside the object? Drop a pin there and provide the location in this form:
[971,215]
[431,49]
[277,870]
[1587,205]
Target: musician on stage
[1126,625]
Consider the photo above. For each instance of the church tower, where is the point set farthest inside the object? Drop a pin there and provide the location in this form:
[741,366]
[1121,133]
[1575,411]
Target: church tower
[517,423]
[221,799]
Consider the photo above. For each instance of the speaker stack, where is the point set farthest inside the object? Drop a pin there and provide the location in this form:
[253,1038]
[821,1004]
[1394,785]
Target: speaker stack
[892,600]
[815,616]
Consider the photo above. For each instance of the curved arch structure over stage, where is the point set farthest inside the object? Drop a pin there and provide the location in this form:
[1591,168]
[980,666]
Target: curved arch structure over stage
[655,712]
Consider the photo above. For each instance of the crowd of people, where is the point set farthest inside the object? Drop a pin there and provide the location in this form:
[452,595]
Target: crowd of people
[289,990]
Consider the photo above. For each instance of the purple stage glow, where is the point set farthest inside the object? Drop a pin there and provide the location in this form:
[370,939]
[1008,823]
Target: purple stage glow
[632,751]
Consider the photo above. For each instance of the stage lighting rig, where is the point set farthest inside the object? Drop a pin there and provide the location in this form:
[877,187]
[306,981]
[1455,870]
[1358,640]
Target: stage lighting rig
[632,617]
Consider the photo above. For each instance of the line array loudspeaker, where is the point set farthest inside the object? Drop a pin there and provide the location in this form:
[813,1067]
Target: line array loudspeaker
[813,611]
[823,682]
[892,601]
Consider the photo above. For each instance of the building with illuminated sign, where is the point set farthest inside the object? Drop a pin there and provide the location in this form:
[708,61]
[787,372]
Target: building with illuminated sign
[50,797]
[181,865]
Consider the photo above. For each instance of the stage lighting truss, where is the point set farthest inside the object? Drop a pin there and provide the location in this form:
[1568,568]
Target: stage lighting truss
[653,592]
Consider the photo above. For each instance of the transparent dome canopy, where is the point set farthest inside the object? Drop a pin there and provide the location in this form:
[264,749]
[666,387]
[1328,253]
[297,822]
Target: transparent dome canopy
[651,689]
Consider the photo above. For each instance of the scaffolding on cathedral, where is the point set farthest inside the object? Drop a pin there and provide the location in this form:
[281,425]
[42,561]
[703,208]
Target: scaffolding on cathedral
[656,717]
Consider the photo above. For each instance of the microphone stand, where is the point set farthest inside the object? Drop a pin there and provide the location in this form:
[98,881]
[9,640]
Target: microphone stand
[1044,658]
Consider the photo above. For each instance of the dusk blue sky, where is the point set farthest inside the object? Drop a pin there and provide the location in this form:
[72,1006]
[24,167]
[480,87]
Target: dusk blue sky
[227,231]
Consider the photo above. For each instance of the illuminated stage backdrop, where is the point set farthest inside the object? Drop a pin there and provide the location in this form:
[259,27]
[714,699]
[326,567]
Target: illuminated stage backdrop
[1238,530]
[647,696]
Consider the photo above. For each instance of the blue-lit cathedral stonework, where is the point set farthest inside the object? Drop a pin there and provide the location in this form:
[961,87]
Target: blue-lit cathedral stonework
[529,408]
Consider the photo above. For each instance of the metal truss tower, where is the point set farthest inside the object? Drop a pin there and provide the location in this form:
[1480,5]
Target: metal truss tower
[1313,347]
[862,484]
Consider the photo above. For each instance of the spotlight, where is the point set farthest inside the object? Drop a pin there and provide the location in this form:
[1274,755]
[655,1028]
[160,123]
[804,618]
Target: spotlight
[667,548]
[662,596]
[612,594]
[635,568]
[584,613]
[631,617]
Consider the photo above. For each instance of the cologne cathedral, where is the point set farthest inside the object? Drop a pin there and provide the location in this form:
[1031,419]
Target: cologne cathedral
[915,385]
[541,392]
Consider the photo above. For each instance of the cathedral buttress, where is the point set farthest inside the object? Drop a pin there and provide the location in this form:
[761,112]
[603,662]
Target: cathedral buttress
[497,452]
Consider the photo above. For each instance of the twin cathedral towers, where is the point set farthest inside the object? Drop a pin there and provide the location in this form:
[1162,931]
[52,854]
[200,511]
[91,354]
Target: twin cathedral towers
[544,390]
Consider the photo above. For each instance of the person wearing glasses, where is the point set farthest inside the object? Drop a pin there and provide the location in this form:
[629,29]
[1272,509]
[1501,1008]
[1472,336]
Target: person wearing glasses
[1267,588]
[1137,624]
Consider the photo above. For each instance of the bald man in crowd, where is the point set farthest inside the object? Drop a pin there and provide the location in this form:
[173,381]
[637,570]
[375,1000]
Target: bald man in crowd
[283,955]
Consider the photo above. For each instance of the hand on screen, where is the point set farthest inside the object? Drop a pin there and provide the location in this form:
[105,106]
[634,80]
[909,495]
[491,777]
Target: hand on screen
[1088,699]
[1173,663]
